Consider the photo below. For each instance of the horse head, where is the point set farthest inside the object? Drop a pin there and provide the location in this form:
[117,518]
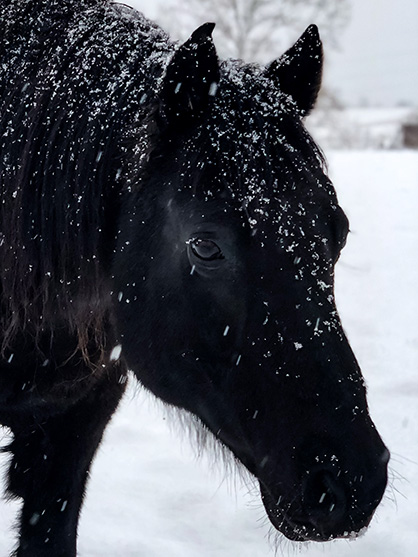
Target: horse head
[224,293]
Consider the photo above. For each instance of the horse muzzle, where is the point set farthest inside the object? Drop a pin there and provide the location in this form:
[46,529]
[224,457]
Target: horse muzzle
[328,503]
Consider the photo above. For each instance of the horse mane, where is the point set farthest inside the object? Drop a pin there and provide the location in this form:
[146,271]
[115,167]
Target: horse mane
[75,76]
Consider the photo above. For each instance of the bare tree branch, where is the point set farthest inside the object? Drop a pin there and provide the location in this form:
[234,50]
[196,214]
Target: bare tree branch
[257,30]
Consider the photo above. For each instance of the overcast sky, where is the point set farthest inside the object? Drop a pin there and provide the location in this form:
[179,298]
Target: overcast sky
[378,61]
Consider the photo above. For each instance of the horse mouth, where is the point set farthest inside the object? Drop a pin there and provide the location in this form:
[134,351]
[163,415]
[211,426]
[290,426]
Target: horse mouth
[302,526]
[298,530]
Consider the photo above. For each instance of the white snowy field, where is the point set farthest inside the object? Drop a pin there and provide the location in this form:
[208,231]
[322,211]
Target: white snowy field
[149,496]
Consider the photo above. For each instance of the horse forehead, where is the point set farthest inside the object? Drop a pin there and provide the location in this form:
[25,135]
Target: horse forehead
[292,214]
[268,216]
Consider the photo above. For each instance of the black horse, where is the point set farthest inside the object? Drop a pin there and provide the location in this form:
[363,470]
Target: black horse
[167,213]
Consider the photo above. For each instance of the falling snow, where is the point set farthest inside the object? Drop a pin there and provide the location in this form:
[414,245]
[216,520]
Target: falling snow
[158,473]
[116,352]
[162,470]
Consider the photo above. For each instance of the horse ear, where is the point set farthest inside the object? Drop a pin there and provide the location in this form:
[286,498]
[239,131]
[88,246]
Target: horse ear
[299,71]
[192,76]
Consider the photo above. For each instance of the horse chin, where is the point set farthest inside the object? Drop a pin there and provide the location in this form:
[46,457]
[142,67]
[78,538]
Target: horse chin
[296,532]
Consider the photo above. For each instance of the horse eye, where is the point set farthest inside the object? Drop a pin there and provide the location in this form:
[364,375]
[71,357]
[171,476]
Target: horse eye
[206,249]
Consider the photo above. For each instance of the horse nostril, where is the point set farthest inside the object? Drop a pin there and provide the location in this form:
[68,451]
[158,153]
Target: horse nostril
[324,499]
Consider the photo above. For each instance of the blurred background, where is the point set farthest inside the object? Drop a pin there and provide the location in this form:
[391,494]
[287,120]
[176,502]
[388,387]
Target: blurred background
[370,93]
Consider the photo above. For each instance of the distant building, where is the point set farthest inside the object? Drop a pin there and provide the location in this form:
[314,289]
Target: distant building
[365,128]
[410,135]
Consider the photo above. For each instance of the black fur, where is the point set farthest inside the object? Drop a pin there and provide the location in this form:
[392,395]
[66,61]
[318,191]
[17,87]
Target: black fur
[157,200]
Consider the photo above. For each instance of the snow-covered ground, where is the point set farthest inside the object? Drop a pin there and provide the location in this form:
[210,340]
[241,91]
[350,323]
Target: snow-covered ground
[150,497]
[362,128]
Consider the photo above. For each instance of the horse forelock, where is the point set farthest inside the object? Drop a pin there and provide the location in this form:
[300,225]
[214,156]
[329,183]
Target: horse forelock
[251,144]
